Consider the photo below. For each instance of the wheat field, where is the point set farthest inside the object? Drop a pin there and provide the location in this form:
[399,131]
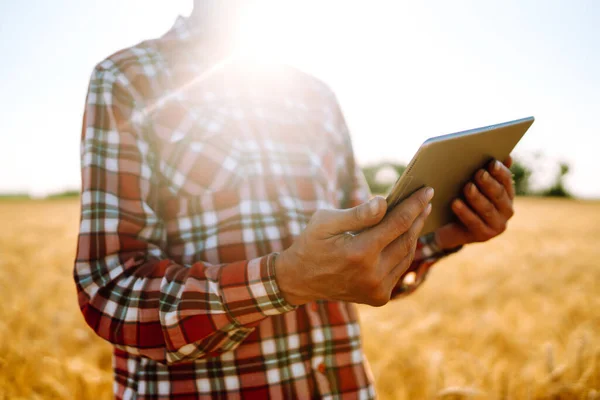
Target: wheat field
[516,318]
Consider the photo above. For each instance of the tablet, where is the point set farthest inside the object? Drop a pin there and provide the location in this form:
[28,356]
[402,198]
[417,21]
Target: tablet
[448,162]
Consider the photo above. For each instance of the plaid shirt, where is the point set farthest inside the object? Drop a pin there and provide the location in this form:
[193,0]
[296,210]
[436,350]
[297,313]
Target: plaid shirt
[195,173]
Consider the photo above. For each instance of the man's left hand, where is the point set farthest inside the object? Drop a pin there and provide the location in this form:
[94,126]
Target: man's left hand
[486,211]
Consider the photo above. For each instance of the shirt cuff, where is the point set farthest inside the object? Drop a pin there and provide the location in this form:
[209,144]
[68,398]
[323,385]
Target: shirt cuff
[250,292]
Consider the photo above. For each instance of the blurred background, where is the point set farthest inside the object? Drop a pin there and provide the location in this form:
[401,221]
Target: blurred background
[518,317]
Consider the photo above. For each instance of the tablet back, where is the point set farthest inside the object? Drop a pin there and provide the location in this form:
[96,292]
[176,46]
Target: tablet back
[448,162]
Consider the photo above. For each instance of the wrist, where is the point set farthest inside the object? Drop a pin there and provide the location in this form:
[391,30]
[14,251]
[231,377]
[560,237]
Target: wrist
[286,278]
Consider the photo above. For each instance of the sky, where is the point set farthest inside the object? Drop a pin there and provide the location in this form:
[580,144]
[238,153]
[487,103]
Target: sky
[402,71]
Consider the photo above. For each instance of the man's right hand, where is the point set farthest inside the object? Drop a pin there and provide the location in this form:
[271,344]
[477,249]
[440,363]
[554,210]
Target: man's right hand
[328,262]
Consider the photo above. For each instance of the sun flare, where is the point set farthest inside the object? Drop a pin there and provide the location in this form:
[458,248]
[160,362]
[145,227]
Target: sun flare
[272,31]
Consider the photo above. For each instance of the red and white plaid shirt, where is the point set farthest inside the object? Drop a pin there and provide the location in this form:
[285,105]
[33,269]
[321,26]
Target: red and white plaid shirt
[195,174]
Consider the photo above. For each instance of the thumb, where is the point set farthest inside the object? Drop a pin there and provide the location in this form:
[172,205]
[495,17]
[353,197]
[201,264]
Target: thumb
[359,217]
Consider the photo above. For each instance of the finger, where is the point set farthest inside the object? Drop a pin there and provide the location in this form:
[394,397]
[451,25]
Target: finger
[483,207]
[354,219]
[469,219]
[508,161]
[405,244]
[399,270]
[397,221]
[495,192]
[503,174]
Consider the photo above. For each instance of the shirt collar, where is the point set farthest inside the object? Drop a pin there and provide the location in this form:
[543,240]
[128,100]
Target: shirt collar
[182,30]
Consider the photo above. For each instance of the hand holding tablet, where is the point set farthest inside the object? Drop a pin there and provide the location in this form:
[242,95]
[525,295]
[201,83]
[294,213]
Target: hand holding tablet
[485,211]
[447,163]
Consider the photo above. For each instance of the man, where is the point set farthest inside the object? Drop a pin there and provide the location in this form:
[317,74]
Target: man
[218,196]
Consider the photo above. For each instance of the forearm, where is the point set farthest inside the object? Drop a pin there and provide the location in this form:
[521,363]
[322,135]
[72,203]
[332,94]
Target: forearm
[172,313]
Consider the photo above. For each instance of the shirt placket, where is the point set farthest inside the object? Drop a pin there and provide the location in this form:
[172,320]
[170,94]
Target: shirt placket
[319,348]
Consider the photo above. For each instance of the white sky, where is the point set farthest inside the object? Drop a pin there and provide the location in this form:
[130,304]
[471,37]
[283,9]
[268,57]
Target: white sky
[403,71]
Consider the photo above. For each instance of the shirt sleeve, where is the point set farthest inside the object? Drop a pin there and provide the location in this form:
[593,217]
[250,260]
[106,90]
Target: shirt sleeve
[356,191]
[129,291]
[353,184]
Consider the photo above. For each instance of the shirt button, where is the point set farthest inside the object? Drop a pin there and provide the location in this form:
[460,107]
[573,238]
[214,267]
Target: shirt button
[321,368]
